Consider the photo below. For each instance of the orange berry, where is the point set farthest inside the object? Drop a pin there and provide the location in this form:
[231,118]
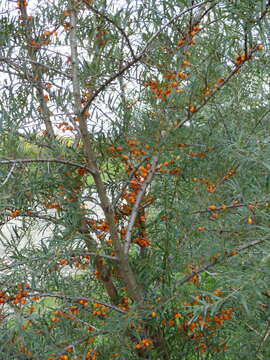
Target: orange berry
[196,28]
[54,319]
[186,63]
[215,215]
[34,43]
[15,213]
[201,228]
[46,33]
[192,108]
[63,357]
[170,76]
[168,91]
[180,42]
[211,188]
[174,84]
[63,262]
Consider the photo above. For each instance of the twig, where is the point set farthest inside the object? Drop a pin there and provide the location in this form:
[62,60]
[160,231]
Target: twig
[252,329]
[265,336]
[8,175]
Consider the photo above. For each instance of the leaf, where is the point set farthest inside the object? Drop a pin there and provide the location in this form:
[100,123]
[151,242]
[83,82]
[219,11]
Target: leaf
[244,303]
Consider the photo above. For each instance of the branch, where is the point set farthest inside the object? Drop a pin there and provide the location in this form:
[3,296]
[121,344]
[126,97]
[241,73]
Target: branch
[14,265]
[225,207]
[265,336]
[41,217]
[264,13]
[114,24]
[218,260]
[124,268]
[139,56]
[136,206]
[176,17]
[66,162]
[227,79]
[126,183]
[76,299]
[11,63]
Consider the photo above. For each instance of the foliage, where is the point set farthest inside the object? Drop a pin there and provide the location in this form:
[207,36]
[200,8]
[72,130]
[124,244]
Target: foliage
[134,180]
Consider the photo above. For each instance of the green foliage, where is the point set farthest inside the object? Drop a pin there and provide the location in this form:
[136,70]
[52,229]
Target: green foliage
[134,180]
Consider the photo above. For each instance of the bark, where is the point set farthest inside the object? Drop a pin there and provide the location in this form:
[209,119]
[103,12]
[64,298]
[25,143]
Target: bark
[90,157]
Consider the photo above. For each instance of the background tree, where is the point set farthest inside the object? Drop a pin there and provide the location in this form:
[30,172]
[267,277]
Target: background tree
[134,180]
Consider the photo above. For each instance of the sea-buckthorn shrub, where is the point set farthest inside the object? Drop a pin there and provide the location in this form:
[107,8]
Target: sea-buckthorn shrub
[134,180]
